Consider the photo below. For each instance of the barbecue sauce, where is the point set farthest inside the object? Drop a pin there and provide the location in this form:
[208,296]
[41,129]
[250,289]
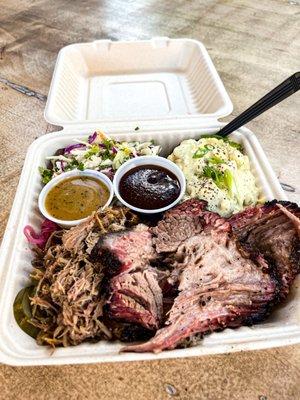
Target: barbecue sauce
[149,187]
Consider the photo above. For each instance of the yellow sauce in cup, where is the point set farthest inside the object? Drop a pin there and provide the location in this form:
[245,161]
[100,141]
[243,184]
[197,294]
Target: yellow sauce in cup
[76,198]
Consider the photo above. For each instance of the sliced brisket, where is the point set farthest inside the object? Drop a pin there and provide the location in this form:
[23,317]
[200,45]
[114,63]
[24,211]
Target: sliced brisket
[181,223]
[188,207]
[273,230]
[173,230]
[220,286]
[222,273]
[137,297]
[134,291]
[125,250]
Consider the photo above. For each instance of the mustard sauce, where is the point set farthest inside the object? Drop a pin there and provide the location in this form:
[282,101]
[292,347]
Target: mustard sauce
[76,198]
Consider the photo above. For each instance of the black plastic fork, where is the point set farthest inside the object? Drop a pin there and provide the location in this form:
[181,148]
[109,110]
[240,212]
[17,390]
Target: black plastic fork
[288,87]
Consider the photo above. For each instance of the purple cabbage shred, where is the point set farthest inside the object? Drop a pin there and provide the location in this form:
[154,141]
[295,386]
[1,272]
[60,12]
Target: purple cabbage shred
[92,138]
[108,172]
[68,149]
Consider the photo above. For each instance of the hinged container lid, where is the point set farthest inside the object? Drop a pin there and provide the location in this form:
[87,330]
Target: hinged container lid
[158,82]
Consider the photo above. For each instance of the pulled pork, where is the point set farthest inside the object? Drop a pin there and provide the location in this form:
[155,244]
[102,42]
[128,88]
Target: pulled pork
[68,302]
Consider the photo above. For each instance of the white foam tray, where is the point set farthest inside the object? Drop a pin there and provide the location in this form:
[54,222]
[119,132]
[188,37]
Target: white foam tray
[282,328]
[158,79]
[16,348]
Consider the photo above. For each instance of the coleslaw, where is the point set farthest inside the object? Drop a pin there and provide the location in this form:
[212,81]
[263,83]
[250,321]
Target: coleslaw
[99,152]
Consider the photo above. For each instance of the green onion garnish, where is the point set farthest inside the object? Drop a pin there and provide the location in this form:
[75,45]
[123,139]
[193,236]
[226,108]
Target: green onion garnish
[216,160]
[231,143]
[203,150]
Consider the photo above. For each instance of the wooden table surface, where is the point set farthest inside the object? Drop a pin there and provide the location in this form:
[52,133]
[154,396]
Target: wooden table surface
[254,45]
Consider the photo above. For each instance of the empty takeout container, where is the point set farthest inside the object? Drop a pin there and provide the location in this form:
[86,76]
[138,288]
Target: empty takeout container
[162,89]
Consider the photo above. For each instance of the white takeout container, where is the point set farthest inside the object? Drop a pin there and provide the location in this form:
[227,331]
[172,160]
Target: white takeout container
[149,160]
[75,172]
[171,91]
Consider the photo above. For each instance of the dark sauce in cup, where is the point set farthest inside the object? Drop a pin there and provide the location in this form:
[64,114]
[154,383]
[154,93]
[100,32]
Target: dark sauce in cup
[149,187]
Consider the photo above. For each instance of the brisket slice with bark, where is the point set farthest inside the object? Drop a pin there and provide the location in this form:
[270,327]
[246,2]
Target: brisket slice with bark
[125,250]
[134,292]
[219,286]
[180,223]
[273,230]
[188,207]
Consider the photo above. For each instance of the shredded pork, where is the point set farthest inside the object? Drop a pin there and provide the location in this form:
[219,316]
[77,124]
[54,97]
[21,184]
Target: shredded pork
[69,296]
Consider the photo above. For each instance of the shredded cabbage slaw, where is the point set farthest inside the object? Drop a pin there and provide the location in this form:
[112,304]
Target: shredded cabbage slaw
[99,152]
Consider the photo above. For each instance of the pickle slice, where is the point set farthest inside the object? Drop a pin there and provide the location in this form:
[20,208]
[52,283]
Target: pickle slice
[22,311]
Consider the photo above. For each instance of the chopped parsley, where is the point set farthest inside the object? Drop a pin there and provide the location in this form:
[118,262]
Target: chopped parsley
[93,150]
[46,174]
[108,143]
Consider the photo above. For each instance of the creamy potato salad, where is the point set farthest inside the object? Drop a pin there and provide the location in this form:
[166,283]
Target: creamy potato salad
[217,171]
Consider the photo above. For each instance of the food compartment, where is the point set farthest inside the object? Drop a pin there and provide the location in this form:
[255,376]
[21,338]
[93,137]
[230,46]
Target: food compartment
[157,79]
[19,349]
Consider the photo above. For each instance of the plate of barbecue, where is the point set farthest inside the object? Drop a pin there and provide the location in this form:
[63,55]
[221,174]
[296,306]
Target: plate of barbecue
[137,232]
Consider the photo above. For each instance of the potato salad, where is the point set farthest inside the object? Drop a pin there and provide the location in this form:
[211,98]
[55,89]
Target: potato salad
[217,171]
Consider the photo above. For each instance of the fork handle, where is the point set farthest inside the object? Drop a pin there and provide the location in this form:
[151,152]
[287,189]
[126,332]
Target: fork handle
[288,87]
